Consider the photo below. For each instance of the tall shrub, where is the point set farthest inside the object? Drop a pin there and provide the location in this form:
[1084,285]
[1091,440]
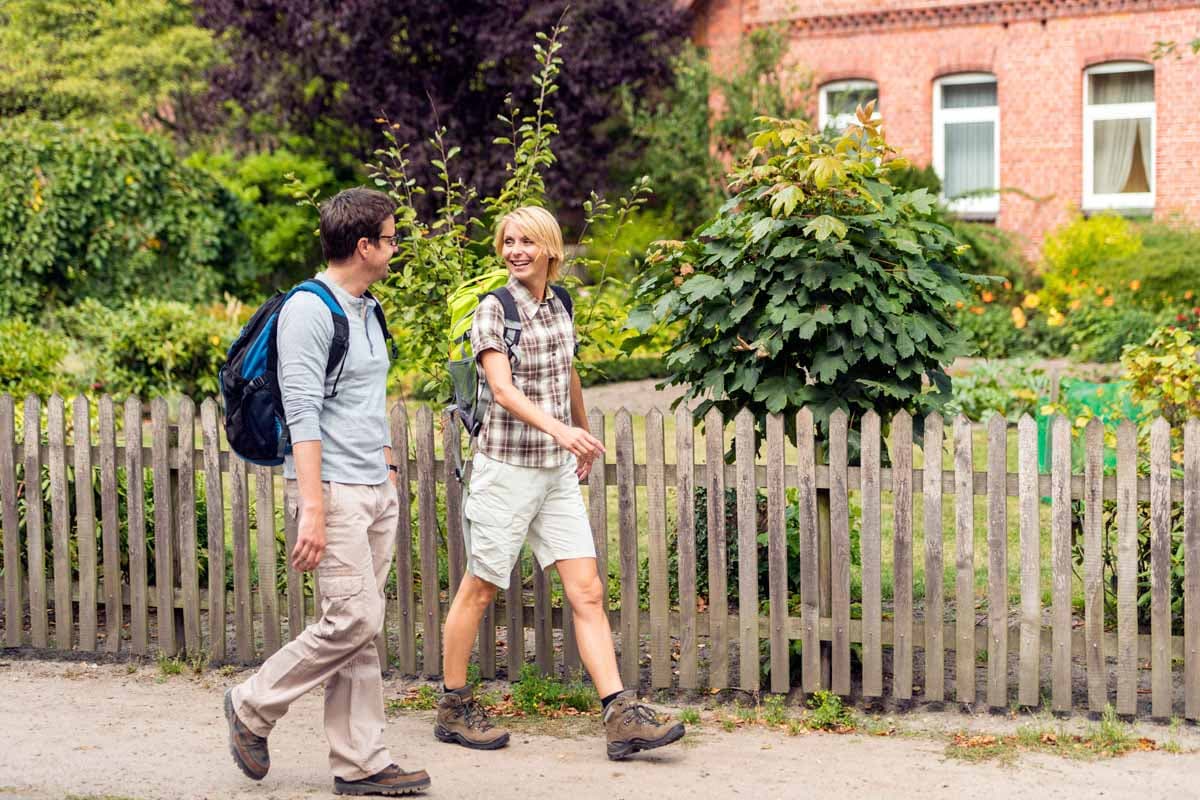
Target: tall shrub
[817,284]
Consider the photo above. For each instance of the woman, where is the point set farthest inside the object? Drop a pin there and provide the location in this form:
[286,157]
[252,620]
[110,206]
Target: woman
[532,452]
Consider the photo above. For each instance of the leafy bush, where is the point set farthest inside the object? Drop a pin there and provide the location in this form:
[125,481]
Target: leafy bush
[1011,388]
[107,212]
[153,347]
[990,330]
[1099,332]
[817,285]
[281,235]
[1164,374]
[30,357]
[1074,254]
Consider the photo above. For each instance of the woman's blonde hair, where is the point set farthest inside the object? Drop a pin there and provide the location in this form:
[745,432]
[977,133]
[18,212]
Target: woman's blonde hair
[541,226]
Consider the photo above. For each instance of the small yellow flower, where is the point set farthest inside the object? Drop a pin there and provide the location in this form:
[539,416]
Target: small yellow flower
[216,340]
[977,310]
[1018,318]
[1055,319]
[1075,304]
[1099,291]
[1134,285]
[129,180]
[959,304]
[1188,294]
[1109,301]
[987,296]
[1031,301]
[1008,284]
[1074,273]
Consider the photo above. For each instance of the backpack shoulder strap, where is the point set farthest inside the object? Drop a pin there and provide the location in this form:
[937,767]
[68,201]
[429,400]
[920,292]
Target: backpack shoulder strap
[564,297]
[512,321]
[382,320]
[340,345]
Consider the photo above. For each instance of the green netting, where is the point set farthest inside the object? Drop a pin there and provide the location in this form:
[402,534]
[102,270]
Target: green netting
[1110,402]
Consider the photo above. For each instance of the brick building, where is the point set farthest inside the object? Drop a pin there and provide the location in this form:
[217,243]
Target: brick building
[1057,100]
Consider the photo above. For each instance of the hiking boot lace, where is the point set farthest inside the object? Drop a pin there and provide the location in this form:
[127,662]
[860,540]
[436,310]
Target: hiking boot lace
[643,713]
[476,716]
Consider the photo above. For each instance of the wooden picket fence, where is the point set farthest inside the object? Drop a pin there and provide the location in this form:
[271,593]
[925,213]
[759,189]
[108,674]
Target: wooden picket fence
[103,605]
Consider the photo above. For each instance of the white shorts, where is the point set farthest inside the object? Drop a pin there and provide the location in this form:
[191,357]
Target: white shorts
[505,502]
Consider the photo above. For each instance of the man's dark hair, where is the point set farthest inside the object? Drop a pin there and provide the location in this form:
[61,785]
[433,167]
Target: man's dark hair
[352,215]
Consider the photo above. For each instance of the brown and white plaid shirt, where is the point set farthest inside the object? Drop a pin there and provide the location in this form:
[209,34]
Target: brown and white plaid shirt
[543,373]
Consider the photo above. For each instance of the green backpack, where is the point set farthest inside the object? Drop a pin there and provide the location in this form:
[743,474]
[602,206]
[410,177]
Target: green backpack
[472,398]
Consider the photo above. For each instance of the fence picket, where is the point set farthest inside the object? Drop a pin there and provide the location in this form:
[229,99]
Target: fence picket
[718,591]
[135,503]
[1191,561]
[406,650]
[60,523]
[902,554]
[543,631]
[1127,568]
[164,535]
[935,660]
[1029,689]
[1060,562]
[456,554]
[110,529]
[627,530]
[1160,568]
[268,599]
[685,495]
[85,522]
[870,545]
[747,538]
[777,559]
[810,590]
[239,513]
[964,562]
[997,692]
[295,578]
[215,521]
[14,603]
[1093,585]
[431,660]
[189,568]
[660,631]
[839,519]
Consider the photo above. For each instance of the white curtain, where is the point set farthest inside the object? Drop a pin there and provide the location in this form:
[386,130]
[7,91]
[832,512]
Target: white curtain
[1147,152]
[970,157]
[1114,143]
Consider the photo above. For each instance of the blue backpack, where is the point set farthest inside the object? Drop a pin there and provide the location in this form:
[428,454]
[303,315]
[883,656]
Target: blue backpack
[254,420]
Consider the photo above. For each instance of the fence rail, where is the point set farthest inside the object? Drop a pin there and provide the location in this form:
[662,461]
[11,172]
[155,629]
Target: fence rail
[113,582]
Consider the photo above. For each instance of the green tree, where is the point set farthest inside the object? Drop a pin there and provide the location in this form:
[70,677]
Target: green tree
[125,59]
[818,284]
[685,146]
[108,212]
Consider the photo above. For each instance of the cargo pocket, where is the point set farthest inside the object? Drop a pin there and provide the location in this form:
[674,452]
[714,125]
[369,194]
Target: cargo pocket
[340,587]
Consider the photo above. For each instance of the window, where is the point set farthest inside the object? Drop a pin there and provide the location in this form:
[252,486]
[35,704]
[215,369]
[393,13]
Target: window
[1118,136]
[966,143]
[839,99]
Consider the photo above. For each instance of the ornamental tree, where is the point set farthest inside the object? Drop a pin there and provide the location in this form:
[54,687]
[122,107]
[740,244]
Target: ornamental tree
[817,284]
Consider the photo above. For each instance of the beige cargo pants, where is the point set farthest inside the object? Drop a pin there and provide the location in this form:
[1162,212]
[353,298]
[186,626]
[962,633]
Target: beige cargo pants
[338,650]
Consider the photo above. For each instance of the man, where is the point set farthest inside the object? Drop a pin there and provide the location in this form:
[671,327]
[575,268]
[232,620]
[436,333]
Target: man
[533,451]
[340,483]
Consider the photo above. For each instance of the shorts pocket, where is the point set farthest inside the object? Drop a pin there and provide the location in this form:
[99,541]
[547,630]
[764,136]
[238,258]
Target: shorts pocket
[487,511]
[340,587]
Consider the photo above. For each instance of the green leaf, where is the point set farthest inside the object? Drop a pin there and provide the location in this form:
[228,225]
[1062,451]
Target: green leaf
[702,287]
[823,226]
[828,366]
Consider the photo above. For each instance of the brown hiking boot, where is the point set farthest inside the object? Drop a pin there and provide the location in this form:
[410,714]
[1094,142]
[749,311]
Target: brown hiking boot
[249,751]
[391,780]
[464,721]
[631,726]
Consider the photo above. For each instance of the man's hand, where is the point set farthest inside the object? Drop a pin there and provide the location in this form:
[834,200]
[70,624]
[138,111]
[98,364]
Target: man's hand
[310,542]
[579,442]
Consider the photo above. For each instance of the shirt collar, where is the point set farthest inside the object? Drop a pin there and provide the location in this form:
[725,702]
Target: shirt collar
[526,303]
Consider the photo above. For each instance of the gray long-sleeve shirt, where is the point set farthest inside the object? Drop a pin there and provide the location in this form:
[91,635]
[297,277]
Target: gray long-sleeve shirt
[352,426]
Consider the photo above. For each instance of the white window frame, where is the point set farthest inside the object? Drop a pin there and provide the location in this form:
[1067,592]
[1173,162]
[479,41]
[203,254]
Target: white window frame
[842,121]
[980,206]
[1093,201]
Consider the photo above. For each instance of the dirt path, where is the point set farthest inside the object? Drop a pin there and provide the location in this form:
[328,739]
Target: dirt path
[112,731]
